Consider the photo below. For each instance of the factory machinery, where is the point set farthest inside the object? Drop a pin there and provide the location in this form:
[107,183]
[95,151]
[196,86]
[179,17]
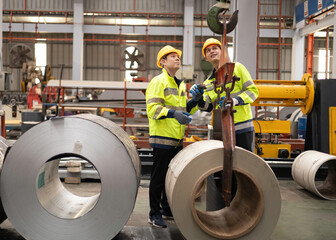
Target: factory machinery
[274,141]
[254,175]
[277,93]
[252,213]
[315,101]
[274,138]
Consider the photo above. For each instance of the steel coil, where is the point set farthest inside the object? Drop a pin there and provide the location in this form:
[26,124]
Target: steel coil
[3,148]
[305,168]
[253,212]
[37,203]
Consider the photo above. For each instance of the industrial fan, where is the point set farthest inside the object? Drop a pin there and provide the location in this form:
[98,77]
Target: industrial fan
[133,58]
[20,53]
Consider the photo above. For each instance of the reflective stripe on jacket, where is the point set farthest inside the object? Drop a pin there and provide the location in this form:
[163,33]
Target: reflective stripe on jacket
[245,89]
[164,94]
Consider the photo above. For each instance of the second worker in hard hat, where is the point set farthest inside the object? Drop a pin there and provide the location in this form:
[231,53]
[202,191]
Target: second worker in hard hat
[168,111]
[244,93]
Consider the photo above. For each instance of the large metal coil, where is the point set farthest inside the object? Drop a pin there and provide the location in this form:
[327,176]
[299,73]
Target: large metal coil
[254,211]
[305,168]
[4,144]
[37,203]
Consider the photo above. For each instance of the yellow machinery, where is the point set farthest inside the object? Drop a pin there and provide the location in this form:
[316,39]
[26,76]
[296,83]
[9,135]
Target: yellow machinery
[272,148]
[102,110]
[275,93]
[287,93]
[332,130]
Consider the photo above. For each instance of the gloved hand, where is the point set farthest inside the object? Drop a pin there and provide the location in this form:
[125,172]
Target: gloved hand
[182,117]
[234,102]
[196,91]
[221,102]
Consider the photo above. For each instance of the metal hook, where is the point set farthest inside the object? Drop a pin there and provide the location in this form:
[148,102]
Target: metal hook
[214,23]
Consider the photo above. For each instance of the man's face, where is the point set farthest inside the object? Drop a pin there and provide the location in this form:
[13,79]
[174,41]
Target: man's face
[172,61]
[212,53]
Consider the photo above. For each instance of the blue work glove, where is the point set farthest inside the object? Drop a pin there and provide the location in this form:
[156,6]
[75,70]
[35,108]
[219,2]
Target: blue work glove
[221,102]
[196,91]
[182,117]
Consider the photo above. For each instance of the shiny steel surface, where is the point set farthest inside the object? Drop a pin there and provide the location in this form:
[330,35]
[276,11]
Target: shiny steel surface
[3,148]
[253,213]
[304,170]
[40,207]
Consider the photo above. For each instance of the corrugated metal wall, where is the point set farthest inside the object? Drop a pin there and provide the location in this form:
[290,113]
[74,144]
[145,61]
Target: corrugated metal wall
[198,58]
[43,5]
[268,61]
[59,53]
[13,5]
[157,6]
[271,7]
[102,60]
[203,6]
[267,7]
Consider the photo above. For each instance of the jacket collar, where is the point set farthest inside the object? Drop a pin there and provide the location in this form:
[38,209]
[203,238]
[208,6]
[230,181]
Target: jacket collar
[212,74]
[175,79]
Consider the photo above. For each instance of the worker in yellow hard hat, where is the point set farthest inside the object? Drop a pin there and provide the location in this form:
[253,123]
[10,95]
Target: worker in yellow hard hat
[168,111]
[243,94]
[208,42]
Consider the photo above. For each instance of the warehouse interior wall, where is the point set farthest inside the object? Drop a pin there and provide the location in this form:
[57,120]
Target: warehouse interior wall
[104,53]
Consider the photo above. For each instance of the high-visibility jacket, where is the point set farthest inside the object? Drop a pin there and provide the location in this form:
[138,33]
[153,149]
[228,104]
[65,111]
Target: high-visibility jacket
[244,90]
[163,94]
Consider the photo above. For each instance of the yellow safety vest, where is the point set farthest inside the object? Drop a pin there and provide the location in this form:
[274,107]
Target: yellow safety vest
[164,94]
[244,88]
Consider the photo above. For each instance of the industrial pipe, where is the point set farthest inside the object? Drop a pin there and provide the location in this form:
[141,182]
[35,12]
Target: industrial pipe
[254,211]
[305,167]
[34,198]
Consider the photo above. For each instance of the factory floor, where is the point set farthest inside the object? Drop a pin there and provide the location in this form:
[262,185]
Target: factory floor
[303,217]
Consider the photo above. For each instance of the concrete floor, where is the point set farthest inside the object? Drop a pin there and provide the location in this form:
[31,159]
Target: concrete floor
[303,217]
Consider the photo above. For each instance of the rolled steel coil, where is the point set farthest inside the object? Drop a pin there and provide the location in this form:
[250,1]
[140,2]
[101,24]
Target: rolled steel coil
[3,148]
[37,203]
[255,209]
[305,168]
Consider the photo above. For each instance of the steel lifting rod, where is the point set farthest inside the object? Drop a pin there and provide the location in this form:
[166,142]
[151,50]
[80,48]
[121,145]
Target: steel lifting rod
[223,118]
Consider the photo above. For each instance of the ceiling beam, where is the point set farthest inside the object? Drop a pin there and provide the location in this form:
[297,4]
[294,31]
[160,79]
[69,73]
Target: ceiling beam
[318,25]
[139,30]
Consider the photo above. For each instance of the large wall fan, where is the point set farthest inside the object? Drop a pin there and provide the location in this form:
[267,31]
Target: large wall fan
[20,53]
[132,58]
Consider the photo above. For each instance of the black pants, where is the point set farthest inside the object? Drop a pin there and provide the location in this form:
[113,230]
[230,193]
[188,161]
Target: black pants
[245,140]
[157,193]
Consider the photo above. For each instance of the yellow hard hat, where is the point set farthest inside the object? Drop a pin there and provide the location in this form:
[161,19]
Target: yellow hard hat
[166,50]
[210,41]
